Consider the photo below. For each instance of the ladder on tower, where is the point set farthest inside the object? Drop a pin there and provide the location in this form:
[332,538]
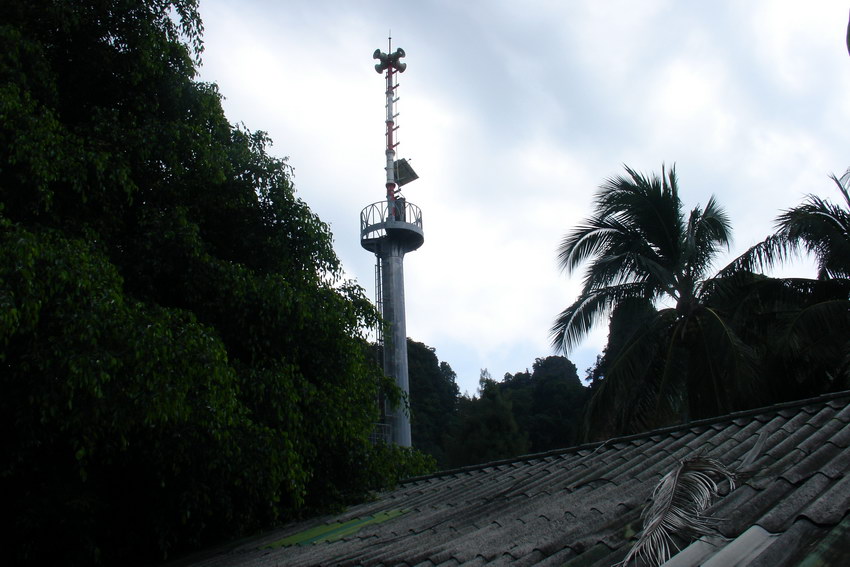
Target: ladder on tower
[382,433]
[379,304]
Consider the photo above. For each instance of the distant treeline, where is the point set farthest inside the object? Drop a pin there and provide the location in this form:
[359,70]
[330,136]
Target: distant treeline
[526,412]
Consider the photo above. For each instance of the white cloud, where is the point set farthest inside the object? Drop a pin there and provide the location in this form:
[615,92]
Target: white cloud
[790,36]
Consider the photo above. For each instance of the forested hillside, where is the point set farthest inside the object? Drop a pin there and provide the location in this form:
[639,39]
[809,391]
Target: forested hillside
[524,412]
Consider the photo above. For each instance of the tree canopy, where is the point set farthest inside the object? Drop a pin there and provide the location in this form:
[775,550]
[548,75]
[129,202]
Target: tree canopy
[547,403]
[642,250]
[525,412]
[684,343]
[434,398]
[801,326]
[486,429]
[181,358]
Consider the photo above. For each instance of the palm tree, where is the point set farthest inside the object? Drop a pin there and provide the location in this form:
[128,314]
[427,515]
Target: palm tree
[817,226]
[810,337]
[673,356]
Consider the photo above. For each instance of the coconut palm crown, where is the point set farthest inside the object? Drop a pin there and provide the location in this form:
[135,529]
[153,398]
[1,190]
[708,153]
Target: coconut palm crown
[816,226]
[639,245]
[671,355]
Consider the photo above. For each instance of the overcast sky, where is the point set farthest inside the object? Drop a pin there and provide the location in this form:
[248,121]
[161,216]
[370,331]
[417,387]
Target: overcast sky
[513,113]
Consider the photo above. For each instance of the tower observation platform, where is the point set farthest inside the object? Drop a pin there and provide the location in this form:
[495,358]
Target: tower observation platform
[399,221]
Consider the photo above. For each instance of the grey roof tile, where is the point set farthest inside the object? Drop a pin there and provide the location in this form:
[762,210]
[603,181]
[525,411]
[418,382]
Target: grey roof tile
[843,413]
[741,550]
[832,547]
[775,463]
[697,552]
[778,553]
[842,436]
[822,416]
[785,511]
[748,511]
[822,460]
[839,465]
[832,505]
[798,434]
[733,450]
[582,506]
[823,432]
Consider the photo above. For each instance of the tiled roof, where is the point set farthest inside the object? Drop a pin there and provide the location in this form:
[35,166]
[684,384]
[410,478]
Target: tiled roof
[582,506]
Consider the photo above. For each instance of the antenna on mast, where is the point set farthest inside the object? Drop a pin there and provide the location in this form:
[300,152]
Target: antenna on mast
[390,63]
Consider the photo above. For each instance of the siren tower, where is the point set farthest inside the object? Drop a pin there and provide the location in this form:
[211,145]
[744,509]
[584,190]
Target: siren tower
[391,228]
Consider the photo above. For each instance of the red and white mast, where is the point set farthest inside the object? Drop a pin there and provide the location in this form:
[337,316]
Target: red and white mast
[390,63]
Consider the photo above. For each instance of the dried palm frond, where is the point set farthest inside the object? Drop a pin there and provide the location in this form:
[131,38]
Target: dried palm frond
[676,508]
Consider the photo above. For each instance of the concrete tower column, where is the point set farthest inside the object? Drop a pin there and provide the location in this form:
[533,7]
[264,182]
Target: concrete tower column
[395,339]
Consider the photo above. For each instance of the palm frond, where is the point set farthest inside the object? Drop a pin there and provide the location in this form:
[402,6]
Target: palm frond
[819,331]
[629,268]
[815,226]
[773,250]
[615,247]
[585,242]
[709,231]
[677,507]
[649,205]
[822,229]
[575,321]
[630,398]
[843,182]
[723,374]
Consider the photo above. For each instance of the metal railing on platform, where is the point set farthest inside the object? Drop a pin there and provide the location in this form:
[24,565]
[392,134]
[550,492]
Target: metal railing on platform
[377,217]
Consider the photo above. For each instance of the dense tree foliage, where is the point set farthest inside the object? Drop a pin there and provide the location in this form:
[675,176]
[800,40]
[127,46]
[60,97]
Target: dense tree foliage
[180,360]
[547,403]
[434,398]
[523,413]
[486,429]
[798,330]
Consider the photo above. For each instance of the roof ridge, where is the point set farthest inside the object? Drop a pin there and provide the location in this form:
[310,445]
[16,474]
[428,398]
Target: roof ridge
[596,445]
